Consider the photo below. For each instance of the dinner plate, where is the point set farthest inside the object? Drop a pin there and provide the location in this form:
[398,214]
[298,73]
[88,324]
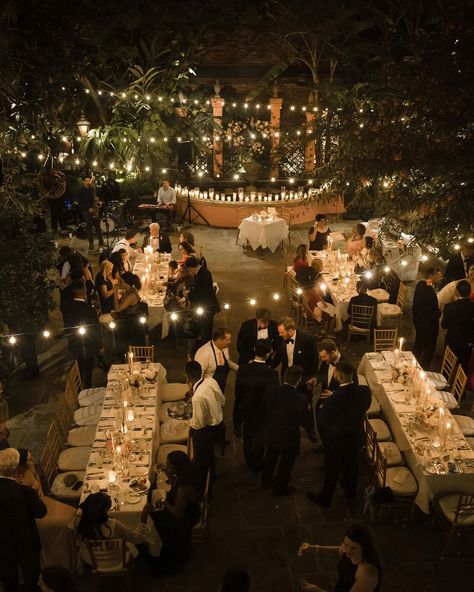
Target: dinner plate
[133,498]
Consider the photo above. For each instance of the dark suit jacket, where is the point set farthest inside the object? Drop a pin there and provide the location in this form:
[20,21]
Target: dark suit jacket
[458,319]
[333,384]
[78,313]
[304,355]
[286,409]
[250,385]
[165,243]
[202,292]
[364,300]
[426,313]
[247,339]
[455,270]
[341,419]
[19,507]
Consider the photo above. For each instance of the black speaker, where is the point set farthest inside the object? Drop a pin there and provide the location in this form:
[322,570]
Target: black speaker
[185,153]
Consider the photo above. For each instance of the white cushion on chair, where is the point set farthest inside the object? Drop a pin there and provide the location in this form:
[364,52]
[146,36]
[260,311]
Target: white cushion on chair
[74,459]
[362,380]
[448,506]
[381,430]
[106,318]
[174,431]
[163,414]
[448,398]
[401,481]
[173,391]
[379,294]
[391,453]
[91,396]
[374,408]
[466,424]
[165,449]
[60,490]
[439,381]
[83,436]
[85,416]
[388,310]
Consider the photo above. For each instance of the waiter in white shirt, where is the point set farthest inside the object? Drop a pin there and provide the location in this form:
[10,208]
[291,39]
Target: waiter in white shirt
[214,357]
[207,422]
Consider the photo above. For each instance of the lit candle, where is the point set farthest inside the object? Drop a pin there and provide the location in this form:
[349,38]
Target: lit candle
[112,476]
[397,357]
[130,362]
[401,343]
[130,415]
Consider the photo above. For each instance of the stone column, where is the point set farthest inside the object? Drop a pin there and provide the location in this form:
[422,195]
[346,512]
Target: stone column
[275,116]
[217,103]
[310,150]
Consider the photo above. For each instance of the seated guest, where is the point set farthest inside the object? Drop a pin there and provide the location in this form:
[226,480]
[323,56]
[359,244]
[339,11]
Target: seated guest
[316,308]
[319,233]
[66,296]
[178,286]
[300,259]
[458,319]
[185,250]
[356,242]
[458,264]
[54,528]
[128,311]
[449,293]
[368,257]
[172,270]
[56,578]
[121,262]
[160,241]
[95,524]
[104,285]
[180,513]
[129,243]
[77,266]
[308,276]
[363,299]
[261,327]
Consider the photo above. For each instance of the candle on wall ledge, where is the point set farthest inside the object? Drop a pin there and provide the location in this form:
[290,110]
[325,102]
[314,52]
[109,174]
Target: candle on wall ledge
[229,198]
[206,194]
[234,197]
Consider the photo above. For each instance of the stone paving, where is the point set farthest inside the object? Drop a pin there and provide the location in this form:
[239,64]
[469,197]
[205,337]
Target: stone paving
[248,527]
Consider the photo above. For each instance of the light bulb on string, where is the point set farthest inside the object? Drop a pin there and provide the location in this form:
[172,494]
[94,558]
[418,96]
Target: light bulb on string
[12,339]
[404,262]
[457,247]
[386,269]
[226,306]
[148,98]
[424,257]
[46,333]
[299,291]
[199,311]
[470,240]
[276,296]
[112,325]
[164,171]
[273,179]
[236,176]
[99,92]
[174,316]
[252,302]
[142,320]
[147,169]
[82,330]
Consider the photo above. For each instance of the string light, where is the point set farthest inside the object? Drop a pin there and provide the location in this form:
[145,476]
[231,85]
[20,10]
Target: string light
[142,320]
[273,179]
[112,325]
[470,240]
[276,296]
[404,262]
[424,257]
[457,247]
[46,333]
[386,269]
[199,311]
[12,339]
[174,316]
[226,306]
[299,291]
[252,301]
[82,330]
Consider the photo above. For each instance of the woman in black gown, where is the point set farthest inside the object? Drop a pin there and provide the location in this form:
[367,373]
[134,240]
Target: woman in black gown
[129,312]
[359,565]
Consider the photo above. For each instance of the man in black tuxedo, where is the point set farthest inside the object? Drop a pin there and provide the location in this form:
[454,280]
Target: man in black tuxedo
[458,264]
[286,409]
[19,539]
[202,299]
[160,241]
[250,385]
[296,349]
[341,427]
[262,327]
[329,356]
[426,313]
[458,319]
[83,330]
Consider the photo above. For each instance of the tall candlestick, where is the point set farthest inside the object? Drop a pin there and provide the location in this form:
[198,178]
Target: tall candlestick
[397,357]
[401,344]
[130,362]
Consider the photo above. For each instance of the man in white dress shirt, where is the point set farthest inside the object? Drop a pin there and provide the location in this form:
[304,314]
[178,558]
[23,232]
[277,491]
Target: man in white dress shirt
[129,243]
[207,422]
[214,357]
[166,199]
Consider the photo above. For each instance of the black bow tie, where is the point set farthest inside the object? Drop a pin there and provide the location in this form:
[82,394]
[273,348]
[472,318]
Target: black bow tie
[289,341]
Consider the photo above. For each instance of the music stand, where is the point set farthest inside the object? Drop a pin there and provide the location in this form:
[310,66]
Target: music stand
[189,210]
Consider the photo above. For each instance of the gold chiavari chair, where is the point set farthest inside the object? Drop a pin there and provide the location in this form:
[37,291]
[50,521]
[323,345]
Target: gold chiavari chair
[456,514]
[142,353]
[361,321]
[385,339]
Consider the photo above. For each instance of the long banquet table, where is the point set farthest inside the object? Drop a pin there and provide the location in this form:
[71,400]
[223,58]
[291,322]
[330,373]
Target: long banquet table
[143,433]
[400,410]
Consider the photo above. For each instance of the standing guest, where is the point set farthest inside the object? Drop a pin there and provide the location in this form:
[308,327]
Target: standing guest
[104,285]
[214,357]
[300,259]
[121,262]
[261,327]
[458,264]
[83,347]
[160,241]
[368,257]
[458,319]
[129,312]
[359,563]
[355,242]
[20,544]
[426,315]
[449,293]
[363,299]
[319,233]
[56,206]
[110,189]
[185,250]
[252,380]
[86,201]
[286,409]
[166,199]
[56,578]
[129,243]
[341,427]
[202,299]
[207,422]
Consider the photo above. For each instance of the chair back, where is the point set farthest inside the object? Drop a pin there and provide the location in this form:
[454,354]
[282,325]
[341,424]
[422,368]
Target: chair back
[401,296]
[64,416]
[287,215]
[371,442]
[142,353]
[459,384]
[107,555]
[74,377]
[70,397]
[48,461]
[361,316]
[448,365]
[380,466]
[464,509]
[385,339]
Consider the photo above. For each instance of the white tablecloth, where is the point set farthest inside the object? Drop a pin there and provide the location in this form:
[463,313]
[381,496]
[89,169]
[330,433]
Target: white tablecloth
[397,413]
[265,234]
[154,293]
[144,430]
